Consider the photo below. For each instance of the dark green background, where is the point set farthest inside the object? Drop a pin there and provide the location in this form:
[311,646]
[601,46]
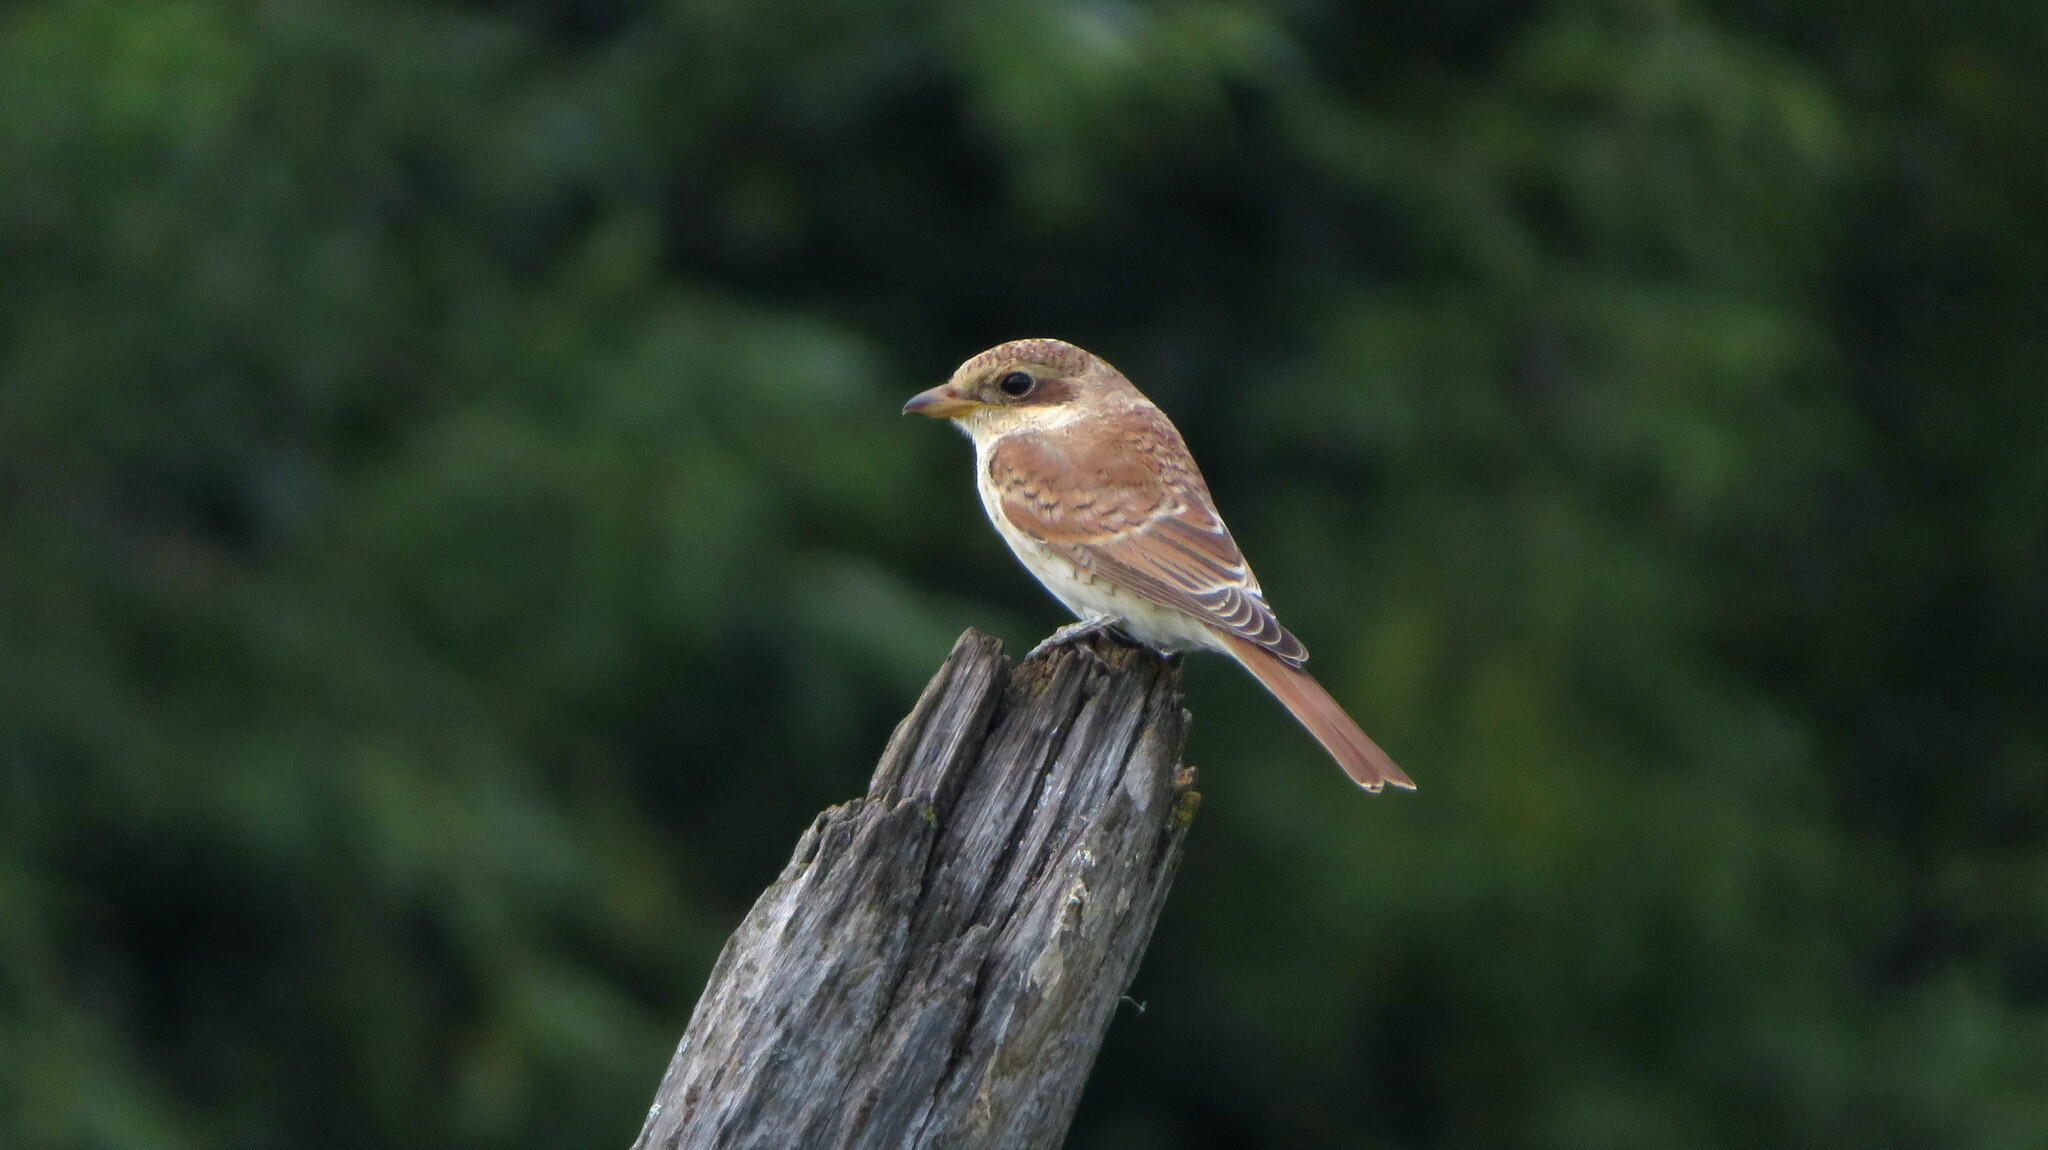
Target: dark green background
[456,529]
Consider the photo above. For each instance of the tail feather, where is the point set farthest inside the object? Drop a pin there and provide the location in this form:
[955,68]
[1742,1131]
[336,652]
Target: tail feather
[1313,708]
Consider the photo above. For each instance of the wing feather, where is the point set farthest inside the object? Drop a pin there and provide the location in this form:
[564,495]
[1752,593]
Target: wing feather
[1121,498]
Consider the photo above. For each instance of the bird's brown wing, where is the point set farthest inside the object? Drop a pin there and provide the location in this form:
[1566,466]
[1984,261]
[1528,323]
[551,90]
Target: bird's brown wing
[1123,500]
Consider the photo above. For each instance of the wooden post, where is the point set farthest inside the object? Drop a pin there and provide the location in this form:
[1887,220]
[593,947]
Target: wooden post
[938,962]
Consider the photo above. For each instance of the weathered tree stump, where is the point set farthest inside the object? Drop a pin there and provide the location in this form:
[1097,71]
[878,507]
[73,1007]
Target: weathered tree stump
[937,964]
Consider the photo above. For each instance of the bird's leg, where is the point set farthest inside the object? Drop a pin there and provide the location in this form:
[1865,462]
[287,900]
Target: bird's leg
[1095,625]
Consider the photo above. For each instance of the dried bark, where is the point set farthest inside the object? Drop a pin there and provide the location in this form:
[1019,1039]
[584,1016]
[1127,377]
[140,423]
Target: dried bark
[937,964]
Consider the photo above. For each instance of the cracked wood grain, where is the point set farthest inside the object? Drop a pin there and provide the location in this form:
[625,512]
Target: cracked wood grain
[937,964]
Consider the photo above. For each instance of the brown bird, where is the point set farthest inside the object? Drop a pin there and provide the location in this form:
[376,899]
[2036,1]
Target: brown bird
[1092,487]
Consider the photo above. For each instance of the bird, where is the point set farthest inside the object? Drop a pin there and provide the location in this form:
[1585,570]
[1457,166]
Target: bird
[1096,494]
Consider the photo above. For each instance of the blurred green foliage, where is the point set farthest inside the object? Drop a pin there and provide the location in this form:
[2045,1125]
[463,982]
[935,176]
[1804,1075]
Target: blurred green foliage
[455,530]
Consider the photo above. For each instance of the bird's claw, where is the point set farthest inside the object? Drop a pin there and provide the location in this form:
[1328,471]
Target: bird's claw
[1101,624]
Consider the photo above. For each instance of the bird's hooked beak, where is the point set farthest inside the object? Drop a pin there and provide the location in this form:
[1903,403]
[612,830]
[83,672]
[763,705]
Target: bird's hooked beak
[941,402]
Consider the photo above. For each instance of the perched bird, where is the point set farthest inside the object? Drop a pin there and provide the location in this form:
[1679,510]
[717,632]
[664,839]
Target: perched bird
[1092,487]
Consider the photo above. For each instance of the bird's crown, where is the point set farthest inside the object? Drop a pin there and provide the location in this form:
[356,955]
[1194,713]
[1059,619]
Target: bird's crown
[1057,356]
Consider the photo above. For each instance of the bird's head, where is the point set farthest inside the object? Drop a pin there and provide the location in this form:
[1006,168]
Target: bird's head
[1027,383]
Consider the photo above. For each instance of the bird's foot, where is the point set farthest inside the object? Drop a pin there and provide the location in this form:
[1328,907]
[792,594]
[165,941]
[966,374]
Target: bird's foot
[1099,625]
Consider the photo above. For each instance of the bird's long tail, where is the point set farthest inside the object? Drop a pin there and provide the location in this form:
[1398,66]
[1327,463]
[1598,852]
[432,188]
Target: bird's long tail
[1313,708]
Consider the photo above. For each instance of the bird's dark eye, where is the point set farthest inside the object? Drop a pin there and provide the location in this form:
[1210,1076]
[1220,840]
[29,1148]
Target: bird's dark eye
[1016,383]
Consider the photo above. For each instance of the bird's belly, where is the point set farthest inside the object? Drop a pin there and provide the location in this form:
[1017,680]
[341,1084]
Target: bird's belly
[1087,593]
[1089,596]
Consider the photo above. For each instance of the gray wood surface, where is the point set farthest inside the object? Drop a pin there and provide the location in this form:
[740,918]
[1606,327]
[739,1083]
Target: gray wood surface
[937,964]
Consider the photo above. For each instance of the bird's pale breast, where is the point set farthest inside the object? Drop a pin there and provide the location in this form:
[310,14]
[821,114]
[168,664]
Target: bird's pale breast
[1087,594]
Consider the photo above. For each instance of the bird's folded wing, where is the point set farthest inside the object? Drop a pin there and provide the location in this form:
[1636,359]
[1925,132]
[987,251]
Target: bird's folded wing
[1137,513]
